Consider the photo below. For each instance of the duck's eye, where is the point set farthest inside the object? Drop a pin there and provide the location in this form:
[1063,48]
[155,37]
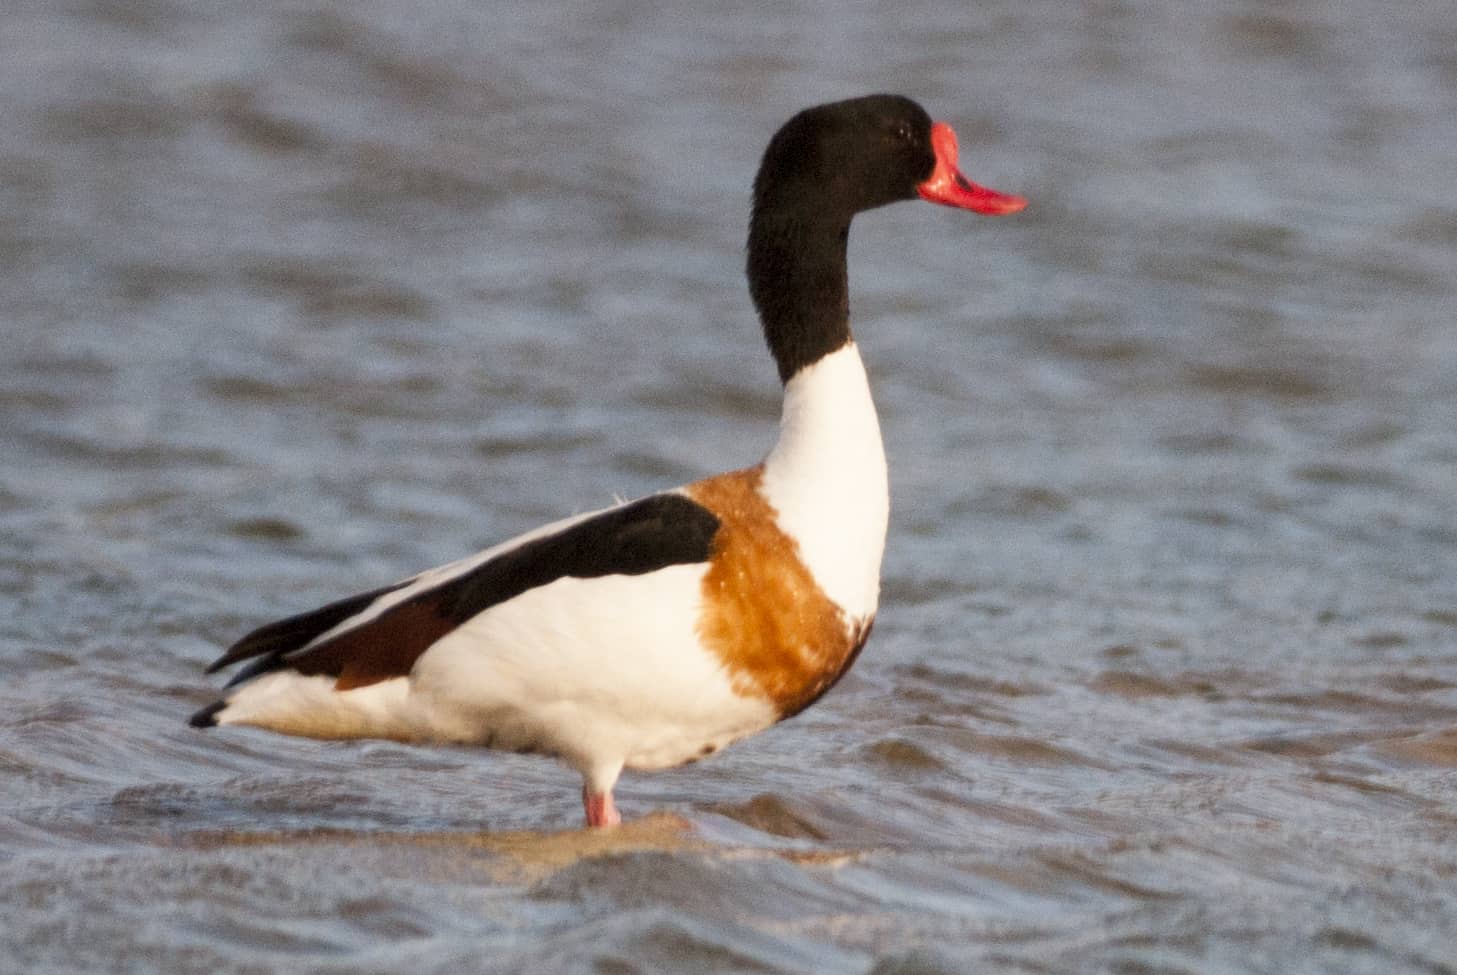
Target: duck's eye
[904,133]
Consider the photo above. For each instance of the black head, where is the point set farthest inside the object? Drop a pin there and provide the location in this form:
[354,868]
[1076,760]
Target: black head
[832,161]
[848,156]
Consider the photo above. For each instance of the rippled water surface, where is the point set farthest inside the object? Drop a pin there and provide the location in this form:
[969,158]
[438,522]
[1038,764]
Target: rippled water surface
[299,297]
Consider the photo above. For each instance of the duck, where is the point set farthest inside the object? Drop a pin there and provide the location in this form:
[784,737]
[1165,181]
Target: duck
[654,632]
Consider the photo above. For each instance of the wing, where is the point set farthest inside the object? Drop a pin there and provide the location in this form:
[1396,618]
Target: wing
[289,634]
[380,634]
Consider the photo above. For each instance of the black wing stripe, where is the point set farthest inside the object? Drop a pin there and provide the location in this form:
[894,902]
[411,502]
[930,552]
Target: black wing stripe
[635,539]
[651,534]
[296,631]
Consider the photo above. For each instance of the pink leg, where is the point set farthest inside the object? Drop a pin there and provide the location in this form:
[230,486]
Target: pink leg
[600,810]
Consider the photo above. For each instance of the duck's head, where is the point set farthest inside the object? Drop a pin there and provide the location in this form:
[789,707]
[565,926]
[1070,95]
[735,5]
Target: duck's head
[844,157]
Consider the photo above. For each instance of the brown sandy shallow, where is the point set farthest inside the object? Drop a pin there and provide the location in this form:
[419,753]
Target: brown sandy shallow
[528,856]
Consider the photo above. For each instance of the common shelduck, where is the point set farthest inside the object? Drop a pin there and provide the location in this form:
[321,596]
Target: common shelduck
[656,631]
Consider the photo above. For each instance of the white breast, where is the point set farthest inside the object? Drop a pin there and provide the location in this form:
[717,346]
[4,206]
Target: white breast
[827,479]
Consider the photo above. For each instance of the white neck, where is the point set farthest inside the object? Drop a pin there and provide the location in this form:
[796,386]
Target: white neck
[827,479]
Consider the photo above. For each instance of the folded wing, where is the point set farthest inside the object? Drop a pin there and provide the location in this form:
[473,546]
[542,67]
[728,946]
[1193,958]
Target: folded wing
[380,634]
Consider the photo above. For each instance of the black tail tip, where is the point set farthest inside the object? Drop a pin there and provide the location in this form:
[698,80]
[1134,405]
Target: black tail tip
[207,717]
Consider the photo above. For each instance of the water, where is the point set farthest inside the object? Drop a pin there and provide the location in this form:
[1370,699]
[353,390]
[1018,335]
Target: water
[300,297]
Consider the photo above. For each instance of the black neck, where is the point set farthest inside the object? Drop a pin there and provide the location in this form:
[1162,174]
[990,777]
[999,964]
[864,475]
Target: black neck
[799,284]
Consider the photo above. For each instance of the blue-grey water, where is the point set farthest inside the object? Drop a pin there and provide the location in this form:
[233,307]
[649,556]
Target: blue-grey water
[299,297]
